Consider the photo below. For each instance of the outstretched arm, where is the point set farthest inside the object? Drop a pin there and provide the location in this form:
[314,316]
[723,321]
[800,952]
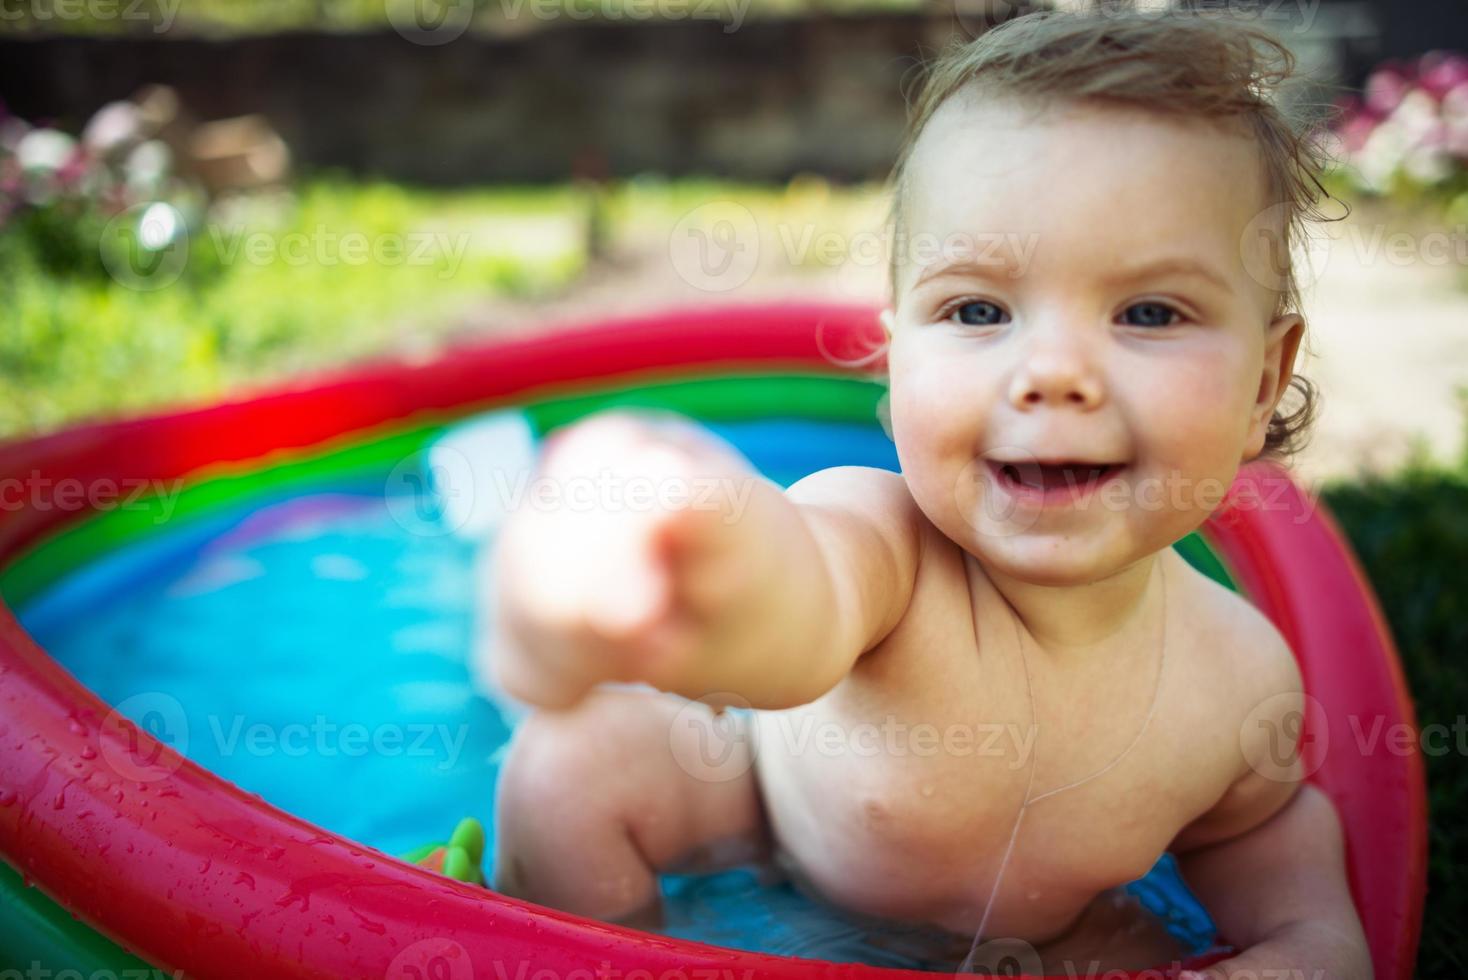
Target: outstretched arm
[741,592]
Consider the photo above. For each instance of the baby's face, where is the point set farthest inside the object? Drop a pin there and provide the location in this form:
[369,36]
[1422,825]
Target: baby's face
[1075,291]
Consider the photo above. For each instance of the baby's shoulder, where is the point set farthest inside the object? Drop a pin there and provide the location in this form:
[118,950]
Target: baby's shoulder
[1244,661]
[875,501]
[1249,689]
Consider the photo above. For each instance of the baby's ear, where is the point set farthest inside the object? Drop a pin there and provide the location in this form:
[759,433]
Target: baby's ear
[1281,344]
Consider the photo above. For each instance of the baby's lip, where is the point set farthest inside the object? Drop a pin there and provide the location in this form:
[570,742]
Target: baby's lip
[1054,460]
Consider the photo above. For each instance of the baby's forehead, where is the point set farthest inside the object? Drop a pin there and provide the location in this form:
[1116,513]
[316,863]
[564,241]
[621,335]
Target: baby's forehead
[996,158]
[1092,182]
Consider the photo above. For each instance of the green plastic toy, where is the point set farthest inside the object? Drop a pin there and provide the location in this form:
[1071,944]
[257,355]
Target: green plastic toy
[459,858]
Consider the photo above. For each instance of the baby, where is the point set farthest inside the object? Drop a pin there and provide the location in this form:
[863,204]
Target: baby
[1092,324]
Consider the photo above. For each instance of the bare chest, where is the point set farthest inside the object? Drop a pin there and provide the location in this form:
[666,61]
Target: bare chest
[934,783]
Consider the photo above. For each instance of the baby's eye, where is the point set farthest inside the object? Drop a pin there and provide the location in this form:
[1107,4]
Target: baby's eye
[1150,314]
[977,313]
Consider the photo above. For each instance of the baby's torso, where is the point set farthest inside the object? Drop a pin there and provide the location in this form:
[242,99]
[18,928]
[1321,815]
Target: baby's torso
[897,794]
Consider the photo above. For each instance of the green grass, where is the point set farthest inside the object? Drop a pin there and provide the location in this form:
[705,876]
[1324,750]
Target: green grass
[262,295]
[1410,531]
[267,291]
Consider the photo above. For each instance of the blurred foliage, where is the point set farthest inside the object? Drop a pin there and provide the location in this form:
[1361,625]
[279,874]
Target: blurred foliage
[1410,531]
[1406,136]
[272,286]
[220,17]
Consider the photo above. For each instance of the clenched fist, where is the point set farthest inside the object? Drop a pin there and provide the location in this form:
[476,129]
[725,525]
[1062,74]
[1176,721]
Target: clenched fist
[619,561]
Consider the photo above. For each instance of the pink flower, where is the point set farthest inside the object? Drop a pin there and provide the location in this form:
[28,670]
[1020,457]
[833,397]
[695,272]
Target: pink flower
[1385,90]
[1442,71]
[1356,131]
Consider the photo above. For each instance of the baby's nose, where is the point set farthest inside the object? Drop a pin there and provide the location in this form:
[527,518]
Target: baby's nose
[1056,377]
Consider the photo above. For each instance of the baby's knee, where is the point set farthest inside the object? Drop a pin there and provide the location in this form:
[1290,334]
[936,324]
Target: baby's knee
[579,757]
[548,763]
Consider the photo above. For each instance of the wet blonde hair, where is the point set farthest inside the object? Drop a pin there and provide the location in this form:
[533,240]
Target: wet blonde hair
[1179,64]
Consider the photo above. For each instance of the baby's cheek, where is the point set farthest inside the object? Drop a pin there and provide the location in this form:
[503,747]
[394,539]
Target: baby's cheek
[1208,406]
[931,410]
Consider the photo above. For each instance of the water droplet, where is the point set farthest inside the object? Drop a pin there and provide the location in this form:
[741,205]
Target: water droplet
[88,752]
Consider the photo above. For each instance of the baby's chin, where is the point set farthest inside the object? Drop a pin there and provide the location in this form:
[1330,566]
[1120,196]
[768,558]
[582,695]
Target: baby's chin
[1062,551]
[1051,561]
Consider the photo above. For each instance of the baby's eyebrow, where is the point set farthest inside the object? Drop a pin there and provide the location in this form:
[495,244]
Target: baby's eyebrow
[999,266]
[1167,267]
[1002,266]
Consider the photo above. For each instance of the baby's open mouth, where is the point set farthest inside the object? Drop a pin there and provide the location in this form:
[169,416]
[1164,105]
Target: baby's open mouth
[1053,476]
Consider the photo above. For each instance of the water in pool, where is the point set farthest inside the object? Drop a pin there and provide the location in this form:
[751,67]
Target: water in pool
[314,650]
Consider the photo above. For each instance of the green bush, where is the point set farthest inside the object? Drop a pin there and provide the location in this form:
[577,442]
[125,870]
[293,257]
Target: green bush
[1410,531]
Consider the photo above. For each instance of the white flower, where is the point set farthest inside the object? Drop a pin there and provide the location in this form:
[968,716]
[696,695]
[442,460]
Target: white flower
[147,167]
[44,149]
[1382,156]
[113,125]
[1417,115]
[1428,164]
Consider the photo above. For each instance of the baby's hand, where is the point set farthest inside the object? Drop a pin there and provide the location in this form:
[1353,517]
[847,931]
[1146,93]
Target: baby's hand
[1310,950]
[603,568]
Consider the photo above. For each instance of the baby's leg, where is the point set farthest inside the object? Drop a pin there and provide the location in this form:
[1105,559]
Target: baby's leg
[593,802]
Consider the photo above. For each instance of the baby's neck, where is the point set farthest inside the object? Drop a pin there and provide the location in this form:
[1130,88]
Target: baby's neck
[1069,617]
